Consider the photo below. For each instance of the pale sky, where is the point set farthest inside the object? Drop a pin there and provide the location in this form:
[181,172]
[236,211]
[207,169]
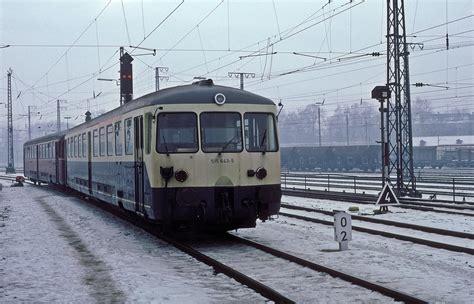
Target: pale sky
[57,49]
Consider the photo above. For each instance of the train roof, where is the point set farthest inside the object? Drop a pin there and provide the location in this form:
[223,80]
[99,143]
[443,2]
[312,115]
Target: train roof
[49,137]
[200,92]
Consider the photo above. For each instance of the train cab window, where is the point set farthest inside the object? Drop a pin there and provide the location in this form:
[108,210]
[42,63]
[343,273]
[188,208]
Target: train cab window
[260,132]
[177,133]
[84,145]
[128,136]
[109,140]
[118,138]
[95,142]
[221,132]
[102,141]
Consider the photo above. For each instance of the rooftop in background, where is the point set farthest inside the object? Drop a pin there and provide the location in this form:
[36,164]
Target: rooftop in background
[443,140]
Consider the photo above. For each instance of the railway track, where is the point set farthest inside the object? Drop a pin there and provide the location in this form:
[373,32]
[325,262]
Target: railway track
[371,199]
[403,237]
[220,267]
[453,233]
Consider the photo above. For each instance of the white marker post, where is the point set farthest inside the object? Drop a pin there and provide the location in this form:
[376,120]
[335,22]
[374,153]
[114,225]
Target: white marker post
[342,229]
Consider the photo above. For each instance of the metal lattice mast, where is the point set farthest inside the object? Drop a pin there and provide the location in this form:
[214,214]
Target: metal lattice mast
[11,160]
[158,77]
[399,129]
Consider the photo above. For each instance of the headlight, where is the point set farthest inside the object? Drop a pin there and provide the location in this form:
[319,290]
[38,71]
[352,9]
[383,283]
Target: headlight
[261,173]
[181,175]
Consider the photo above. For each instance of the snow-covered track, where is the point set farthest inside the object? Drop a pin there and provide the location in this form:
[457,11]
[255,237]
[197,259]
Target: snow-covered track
[371,199]
[395,294]
[402,237]
[458,234]
[217,266]
[221,267]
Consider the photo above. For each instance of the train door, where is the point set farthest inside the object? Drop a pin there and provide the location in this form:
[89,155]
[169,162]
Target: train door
[89,162]
[139,174]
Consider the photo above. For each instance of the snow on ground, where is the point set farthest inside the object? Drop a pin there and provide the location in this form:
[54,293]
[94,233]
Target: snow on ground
[432,274]
[438,220]
[55,248]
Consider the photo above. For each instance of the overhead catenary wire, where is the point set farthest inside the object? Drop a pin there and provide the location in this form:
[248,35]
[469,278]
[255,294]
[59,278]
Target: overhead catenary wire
[75,41]
[220,60]
[126,23]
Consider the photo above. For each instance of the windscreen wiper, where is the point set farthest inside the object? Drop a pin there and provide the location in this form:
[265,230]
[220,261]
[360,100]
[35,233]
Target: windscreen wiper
[166,146]
[228,143]
[264,142]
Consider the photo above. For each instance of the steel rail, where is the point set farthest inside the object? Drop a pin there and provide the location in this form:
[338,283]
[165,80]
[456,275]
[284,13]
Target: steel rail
[458,234]
[395,294]
[364,199]
[402,237]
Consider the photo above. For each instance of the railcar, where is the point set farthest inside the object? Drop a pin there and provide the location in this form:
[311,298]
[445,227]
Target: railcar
[196,155]
[339,158]
[461,155]
[44,161]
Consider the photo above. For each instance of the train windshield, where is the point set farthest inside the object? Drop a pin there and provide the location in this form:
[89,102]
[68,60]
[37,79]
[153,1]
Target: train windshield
[260,133]
[177,133]
[221,132]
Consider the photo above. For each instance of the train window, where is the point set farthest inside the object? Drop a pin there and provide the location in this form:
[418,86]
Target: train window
[109,140]
[84,144]
[260,132]
[221,132]
[102,141]
[177,133]
[95,142]
[128,136]
[118,138]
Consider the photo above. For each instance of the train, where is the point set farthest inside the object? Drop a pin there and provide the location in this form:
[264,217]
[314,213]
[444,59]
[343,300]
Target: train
[368,157]
[198,156]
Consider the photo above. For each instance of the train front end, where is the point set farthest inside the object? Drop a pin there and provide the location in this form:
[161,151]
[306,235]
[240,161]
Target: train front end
[217,161]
